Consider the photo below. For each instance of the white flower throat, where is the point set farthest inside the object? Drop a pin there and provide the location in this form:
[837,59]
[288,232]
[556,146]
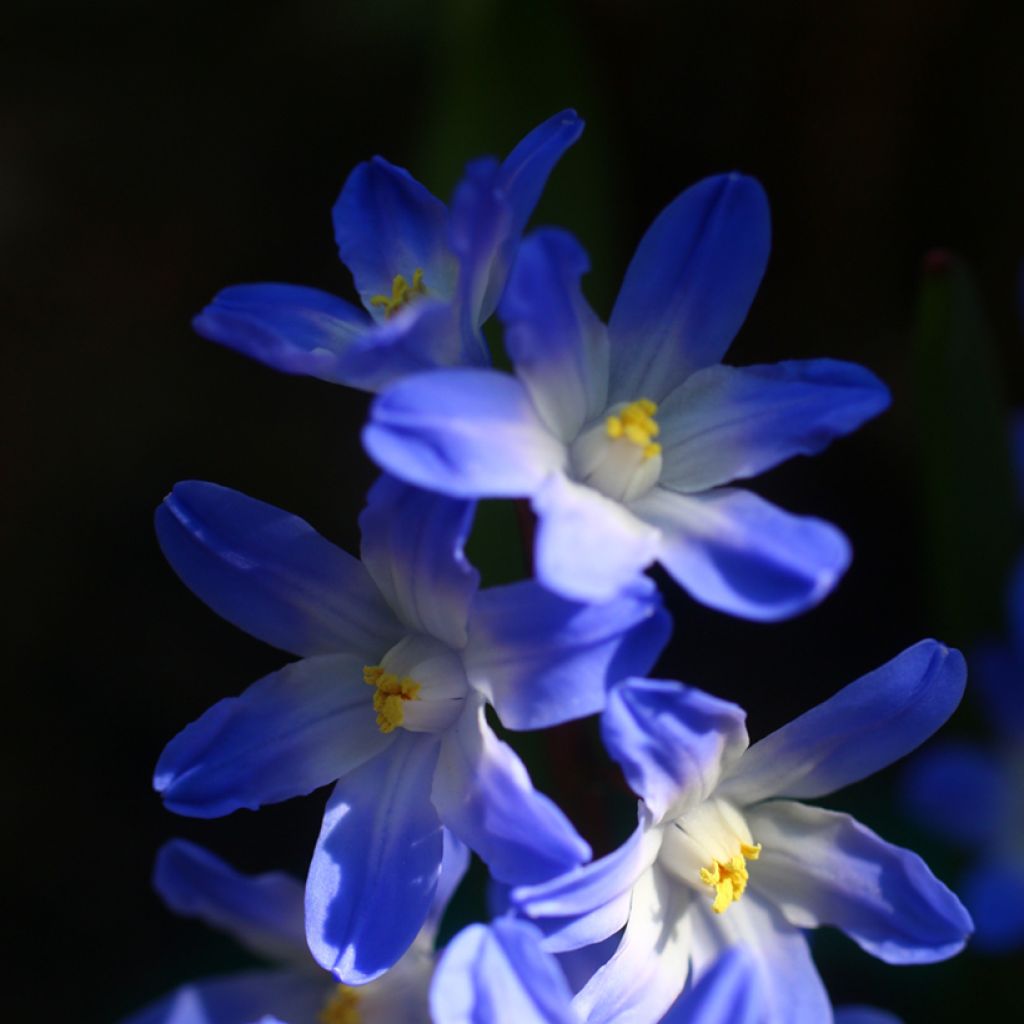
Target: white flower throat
[708,849]
[617,454]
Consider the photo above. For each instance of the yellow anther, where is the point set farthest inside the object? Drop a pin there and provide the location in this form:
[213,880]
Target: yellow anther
[342,1007]
[392,693]
[636,423]
[729,879]
[402,293]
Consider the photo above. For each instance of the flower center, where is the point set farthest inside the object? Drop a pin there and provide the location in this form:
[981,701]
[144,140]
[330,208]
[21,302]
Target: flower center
[617,454]
[392,693]
[708,848]
[341,1008]
[402,293]
[420,685]
[729,880]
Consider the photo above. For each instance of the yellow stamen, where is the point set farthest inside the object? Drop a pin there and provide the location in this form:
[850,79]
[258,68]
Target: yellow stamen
[729,880]
[636,423]
[342,1007]
[402,293]
[392,693]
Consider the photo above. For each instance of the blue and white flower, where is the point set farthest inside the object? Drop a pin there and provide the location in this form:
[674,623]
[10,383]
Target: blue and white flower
[265,914]
[427,277]
[726,855]
[624,438]
[400,654]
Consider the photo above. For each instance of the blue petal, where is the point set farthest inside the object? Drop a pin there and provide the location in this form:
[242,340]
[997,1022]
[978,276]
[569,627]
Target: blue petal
[864,1015]
[689,286]
[454,865]
[558,346]
[590,903]
[271,574]
[386,223]
[589,547]
[541,660]
[497,974]
[375,871]
[423,336]
[239,999]
[264,912]
[648,970]
[740,554]
[484,795]
[789,986]
[728,993]
[672,741]
[726,423]
[958,790]
[863,728]
[824,868]
[467,433]
[412,545]
[288,327]
[994,892]
[524,172]
[288,734]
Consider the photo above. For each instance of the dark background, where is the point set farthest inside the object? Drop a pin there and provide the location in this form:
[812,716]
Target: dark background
[153,153]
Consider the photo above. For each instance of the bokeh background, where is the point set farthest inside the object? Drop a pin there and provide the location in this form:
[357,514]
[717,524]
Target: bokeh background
[153,153]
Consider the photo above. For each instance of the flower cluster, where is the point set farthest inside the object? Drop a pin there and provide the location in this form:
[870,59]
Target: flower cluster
[626,439]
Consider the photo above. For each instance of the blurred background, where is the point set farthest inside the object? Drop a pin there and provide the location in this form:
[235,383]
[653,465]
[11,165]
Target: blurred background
[154,153]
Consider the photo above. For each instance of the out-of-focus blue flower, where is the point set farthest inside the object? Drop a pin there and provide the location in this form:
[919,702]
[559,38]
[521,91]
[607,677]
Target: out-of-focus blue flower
[400,655]
[724,855]
[428,277]
[265,914]
[973,795]
[625,437]
[499,973]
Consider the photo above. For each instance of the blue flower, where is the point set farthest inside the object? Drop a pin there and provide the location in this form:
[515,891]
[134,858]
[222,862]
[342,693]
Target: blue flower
[724,855]
[624,436]
[500,973]
[971,794]
[428,278]
[400,654]
[265,914]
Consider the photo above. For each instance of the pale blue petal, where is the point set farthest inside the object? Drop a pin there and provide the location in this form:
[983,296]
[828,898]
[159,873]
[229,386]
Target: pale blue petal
[958,790]
[823,868]
[649,968]
[672,741]
[412,545]
[484,795]
[789,986]
[726,423]
[498,974]
[454,865]
[863,728]
[728,993]
[541,660]
[270,573]
[689,286]
[239,999]
[556,342]
[588,547]
[590,903]
[467,433]
[386,223]
[288,734]
[288,327]
[994,893]
[740,554]
[263,912]
[377,862]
